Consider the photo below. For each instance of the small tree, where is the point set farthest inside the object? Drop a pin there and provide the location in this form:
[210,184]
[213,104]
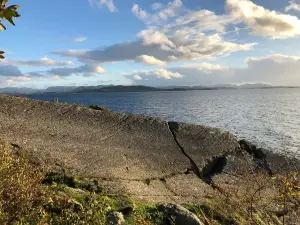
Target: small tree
[7,13]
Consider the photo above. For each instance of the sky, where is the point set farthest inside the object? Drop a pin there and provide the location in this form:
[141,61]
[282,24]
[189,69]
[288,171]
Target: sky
[152,42]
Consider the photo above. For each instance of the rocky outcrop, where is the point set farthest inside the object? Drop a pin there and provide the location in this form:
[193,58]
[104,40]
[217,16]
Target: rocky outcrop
[115,218]
[99,107]
[179,214]
[148,158]
[273,163]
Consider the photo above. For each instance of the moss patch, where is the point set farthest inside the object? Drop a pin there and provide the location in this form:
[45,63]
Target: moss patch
[65,178]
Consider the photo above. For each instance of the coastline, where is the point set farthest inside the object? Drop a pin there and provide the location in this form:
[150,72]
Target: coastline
[129,149]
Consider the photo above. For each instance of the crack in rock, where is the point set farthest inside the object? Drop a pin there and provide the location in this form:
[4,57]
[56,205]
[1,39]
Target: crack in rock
[213,167]
[146,180]
[164,182]
[173,126]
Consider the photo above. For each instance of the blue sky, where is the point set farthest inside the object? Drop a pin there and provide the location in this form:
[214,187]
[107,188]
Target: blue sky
[150,42]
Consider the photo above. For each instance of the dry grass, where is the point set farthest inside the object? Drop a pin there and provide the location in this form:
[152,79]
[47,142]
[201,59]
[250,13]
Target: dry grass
[20,189]
[255,199]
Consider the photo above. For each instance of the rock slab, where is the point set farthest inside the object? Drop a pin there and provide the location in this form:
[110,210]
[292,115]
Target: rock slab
[150,159]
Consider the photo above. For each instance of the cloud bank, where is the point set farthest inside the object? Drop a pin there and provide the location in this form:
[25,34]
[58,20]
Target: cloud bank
[274,69]
[43,62]
[181,45]
[12,72]
[9,70]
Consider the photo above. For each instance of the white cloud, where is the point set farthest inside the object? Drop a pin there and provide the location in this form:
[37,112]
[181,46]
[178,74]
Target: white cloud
[137,77]
[292,6]
[202,20]
[174,17]
[11,81]
[165,74]
[56,77]
[155,37]
[263,21]
[171,10]
[205,67]
[140,13]
[77,39]
[274,69]
[277,58]
[150,60]
[45,62]
[162,14]
[109,3]
[160,74]
[22,78]
[157,6]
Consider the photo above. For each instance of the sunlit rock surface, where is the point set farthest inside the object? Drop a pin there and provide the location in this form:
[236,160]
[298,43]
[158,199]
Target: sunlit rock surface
[150,159]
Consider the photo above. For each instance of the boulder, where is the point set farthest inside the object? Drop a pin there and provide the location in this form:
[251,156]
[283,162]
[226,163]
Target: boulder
[182,215]
[275,163]
[115,218]
[99,107]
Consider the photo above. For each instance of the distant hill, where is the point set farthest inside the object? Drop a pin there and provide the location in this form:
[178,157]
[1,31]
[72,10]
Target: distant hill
[81,88]
[120,88]
[60,89]
[141,88]
[133,88]
[251,86]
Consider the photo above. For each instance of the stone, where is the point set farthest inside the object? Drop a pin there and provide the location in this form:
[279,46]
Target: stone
[182,215]
[75,191]
[275,163]
[99,107]
[252,149]
[115,218]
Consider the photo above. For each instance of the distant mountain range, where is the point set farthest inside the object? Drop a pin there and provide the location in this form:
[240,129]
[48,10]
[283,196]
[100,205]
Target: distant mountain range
[132,88]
